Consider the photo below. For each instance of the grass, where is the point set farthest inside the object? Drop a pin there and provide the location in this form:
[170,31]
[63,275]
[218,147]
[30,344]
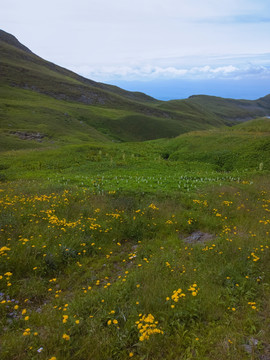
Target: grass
[99,245]
[69,122]
[95,264]
[79,269]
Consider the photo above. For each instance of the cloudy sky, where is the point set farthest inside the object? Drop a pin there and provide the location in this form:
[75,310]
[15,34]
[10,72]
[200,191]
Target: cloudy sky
[169,49]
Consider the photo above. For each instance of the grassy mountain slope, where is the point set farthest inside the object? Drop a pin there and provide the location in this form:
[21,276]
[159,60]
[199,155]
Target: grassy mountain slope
[70,122]
[37,96]
[225,109]
[20,67]
[245,146]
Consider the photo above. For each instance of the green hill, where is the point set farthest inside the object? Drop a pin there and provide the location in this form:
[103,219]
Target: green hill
[225,109]
[244,146]
[42,104]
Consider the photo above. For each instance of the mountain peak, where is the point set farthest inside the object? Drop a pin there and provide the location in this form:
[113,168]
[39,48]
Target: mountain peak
[12,40]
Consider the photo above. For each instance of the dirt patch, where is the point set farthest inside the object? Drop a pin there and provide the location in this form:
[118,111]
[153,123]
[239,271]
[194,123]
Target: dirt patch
[199,237]
[28,136]
[254,347]
[266,352]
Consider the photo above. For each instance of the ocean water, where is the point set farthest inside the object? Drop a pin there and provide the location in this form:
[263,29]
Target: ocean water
[163,89]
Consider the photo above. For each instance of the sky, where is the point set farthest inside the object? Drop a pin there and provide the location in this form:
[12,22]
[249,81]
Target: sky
[168,49]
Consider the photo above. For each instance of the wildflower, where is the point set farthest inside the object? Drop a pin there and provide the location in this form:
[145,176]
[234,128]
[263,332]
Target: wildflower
[26,332]
[152,206]
[147,326]
[66,337]
[194,289]
[7,273]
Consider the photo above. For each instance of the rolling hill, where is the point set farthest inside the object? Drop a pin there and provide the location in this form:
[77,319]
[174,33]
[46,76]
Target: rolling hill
[42,104]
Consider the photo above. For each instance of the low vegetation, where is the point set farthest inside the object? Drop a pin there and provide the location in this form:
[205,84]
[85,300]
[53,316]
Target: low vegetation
[137,250]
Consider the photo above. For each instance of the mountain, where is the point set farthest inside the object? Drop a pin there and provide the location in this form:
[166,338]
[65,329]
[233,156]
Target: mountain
[225,109]
[20,67]
[42,104]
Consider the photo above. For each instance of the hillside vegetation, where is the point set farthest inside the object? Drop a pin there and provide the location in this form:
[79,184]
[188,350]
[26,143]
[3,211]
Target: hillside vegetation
[113,248]
[37,96]
[136,247]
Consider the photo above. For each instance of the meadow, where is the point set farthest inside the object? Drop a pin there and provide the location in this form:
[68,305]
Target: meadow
[137,250]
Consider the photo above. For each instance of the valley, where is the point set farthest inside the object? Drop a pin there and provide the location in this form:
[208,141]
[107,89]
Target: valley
[129,227]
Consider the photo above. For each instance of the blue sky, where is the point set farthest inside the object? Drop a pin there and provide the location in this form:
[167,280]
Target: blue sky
[168,49]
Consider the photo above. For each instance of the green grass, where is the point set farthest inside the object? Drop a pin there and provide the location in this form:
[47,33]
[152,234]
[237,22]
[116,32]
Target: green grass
[95,261]
[135,168]
[92,239]
[185,163]
[70,122]
[229,149]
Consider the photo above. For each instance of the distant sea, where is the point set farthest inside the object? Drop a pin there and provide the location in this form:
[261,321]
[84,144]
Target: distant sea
[249,89]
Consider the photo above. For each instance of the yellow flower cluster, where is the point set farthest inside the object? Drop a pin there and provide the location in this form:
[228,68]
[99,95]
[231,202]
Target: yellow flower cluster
[254,257]
[3,250]
[177,294]
[227,203]
[147,326]
[253,305]
[153,206]
[114,321]
[66,337]
[194,289]
[26,332]
[54,220]
[200,202]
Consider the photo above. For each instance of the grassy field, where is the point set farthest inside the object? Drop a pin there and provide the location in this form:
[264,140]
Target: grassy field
[154,250]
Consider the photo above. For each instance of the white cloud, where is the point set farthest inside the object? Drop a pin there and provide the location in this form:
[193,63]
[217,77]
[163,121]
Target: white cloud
[147,39]
[107,73]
